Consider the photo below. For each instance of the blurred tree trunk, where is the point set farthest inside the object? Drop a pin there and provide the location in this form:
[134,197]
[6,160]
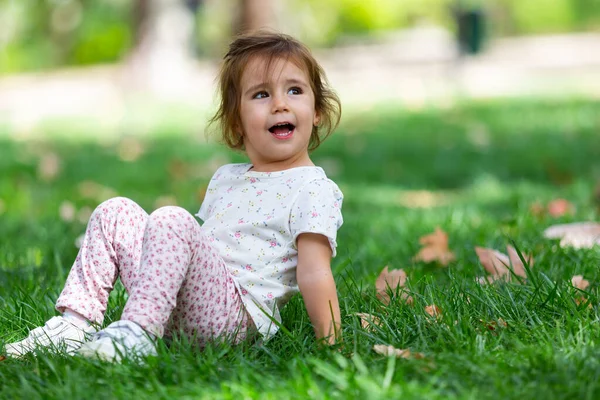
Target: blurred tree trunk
[162,58]
[255,14]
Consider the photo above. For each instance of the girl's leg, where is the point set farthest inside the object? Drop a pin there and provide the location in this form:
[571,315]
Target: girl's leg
[182,279]
[111,248]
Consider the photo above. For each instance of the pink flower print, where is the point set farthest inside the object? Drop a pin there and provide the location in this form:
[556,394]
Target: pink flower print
[241,221]
[229,204]
[237,234]
[259,192]
[252,180]
[270,295]
[249,267]
[244,292]
[230,189]
[285,259]
[315,214]
[273,243]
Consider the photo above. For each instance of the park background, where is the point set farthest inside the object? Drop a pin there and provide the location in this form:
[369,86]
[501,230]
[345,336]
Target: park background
[478,117]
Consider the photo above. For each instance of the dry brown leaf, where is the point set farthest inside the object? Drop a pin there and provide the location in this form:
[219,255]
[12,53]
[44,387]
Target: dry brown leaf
[493,325]
[366,320]
[2,358]
[493,261]
[579,235]
[435,248]
[559,207]
[434,311]
[392,280]
[581,300]
[580,283]
[497,264]
[399,353]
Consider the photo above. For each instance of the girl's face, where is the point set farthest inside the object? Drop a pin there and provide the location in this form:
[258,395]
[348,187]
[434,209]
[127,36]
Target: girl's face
[277,113]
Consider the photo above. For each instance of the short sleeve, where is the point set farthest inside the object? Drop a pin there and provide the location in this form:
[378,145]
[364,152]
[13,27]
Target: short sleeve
[318,209]
[207,206]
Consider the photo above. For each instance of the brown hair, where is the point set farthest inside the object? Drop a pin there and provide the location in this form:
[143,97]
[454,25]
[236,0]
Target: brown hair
[272,46]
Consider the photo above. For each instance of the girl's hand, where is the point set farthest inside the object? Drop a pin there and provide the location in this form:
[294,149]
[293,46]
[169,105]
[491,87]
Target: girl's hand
[317,286]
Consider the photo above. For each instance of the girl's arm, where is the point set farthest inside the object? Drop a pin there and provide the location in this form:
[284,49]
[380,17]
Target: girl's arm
[317,286]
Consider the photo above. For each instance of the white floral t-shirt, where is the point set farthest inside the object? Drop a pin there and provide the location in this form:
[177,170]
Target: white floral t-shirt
[253,219]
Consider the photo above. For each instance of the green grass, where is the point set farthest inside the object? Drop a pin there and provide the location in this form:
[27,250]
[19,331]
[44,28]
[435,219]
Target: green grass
[473,170]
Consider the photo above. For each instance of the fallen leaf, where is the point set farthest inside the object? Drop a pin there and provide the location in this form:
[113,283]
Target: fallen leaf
[435,248]
[434,311]
[579,235]
[493,325]
[2,358]
[366,320]
[581,300]
[391,280]
[580,283]
[399,353]
[559,207]
[497,264]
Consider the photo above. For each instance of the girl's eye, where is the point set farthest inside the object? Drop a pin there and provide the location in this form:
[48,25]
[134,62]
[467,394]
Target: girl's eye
[260,95]
[295,90]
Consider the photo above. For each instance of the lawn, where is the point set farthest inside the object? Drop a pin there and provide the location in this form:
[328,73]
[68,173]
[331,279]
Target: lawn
[474,170]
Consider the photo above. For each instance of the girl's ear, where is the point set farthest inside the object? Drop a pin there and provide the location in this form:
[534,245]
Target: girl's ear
[317,119]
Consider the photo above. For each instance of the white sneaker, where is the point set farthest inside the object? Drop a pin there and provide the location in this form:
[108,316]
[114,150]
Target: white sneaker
[118,340]
[58,334]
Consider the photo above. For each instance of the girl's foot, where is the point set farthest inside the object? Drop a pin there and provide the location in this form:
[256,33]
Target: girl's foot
[119,340]
[58,334]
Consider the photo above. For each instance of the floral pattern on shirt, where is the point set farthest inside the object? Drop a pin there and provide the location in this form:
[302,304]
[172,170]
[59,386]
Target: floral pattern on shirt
[253,220]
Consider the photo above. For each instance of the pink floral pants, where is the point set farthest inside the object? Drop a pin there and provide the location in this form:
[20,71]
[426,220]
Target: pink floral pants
[175,280]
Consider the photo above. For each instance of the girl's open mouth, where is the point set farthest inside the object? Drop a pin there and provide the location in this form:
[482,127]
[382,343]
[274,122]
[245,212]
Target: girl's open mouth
[282,131]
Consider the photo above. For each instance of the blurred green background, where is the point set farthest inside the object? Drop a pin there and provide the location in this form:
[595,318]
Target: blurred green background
[43,34]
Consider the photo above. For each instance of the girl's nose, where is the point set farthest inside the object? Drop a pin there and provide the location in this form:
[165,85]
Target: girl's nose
[279,104]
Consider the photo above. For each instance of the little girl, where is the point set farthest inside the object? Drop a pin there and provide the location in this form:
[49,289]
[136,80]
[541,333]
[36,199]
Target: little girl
[269,226]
